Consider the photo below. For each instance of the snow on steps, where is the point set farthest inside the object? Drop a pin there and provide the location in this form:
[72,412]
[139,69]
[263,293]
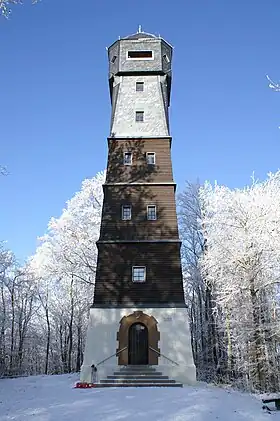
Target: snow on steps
[137,376]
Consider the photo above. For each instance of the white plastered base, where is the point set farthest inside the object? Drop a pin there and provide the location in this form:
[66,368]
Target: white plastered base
[175,342]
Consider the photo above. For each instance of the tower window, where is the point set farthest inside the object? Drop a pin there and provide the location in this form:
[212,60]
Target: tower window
[127,158]
[114,58]
[151,158]
[151,212]
[140,55]
[166,58]
[138,274]
[139,86]
[139,116]
[126,212]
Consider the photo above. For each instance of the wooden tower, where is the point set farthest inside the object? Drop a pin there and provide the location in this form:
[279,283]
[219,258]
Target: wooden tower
[139,314]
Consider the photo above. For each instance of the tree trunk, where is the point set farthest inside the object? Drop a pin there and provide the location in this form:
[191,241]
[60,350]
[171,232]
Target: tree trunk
[63,345]
[79,347]
[70,346]
[212,336]
[48,339]
[256,344]
[12,292]
[2,333]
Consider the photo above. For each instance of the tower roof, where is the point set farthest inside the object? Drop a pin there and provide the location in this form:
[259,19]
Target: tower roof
[140,35]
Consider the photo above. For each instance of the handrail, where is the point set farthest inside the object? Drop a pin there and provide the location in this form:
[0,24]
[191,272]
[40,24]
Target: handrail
[115,354]
[163,355]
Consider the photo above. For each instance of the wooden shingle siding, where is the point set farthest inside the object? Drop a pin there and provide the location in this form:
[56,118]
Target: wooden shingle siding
[139,197]
[139,170]
[163,284]
[139,242]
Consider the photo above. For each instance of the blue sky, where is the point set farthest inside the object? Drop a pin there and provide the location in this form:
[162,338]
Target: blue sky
[55,109]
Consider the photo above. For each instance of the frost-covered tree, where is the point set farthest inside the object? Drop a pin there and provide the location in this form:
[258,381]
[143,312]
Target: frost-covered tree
[64,265]
[44,304]
[17,308]
[6,262]
[199,297]
[242,229]
[69,247]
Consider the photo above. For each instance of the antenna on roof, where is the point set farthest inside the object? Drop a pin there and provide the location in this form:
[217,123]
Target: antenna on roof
[139,29]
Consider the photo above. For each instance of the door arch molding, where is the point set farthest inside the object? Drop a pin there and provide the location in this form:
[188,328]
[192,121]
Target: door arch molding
[123,336]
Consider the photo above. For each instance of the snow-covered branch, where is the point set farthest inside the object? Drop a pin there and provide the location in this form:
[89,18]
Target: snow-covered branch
[273,85]
[5,6]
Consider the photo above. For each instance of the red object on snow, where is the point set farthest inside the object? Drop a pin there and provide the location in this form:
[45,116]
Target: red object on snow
[84,385]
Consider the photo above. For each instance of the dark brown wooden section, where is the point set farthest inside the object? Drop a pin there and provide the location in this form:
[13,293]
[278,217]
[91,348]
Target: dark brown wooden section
[153,336]
[139,228]
[139,242]
[139,171]
[114,286]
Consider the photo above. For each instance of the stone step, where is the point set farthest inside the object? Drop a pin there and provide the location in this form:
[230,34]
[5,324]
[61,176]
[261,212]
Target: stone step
[131,368]
[146,380]
[136,376]
[138,367]
[143,373]
[139,385]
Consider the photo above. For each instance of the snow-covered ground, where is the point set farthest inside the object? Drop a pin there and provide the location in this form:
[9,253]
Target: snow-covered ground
[53,398]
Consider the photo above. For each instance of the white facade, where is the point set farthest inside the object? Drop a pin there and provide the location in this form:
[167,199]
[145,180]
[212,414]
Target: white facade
[174,342]
[128,101]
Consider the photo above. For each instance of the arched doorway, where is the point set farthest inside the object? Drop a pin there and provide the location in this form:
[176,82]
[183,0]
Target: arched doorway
[153,336]
[138,344]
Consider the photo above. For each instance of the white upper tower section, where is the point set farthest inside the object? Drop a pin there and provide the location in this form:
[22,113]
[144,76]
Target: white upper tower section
[140,83]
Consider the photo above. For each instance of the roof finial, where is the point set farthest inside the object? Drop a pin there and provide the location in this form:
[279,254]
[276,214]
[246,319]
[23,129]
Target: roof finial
[139,29]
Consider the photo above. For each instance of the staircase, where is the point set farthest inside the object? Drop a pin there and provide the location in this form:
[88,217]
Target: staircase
[138,376]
